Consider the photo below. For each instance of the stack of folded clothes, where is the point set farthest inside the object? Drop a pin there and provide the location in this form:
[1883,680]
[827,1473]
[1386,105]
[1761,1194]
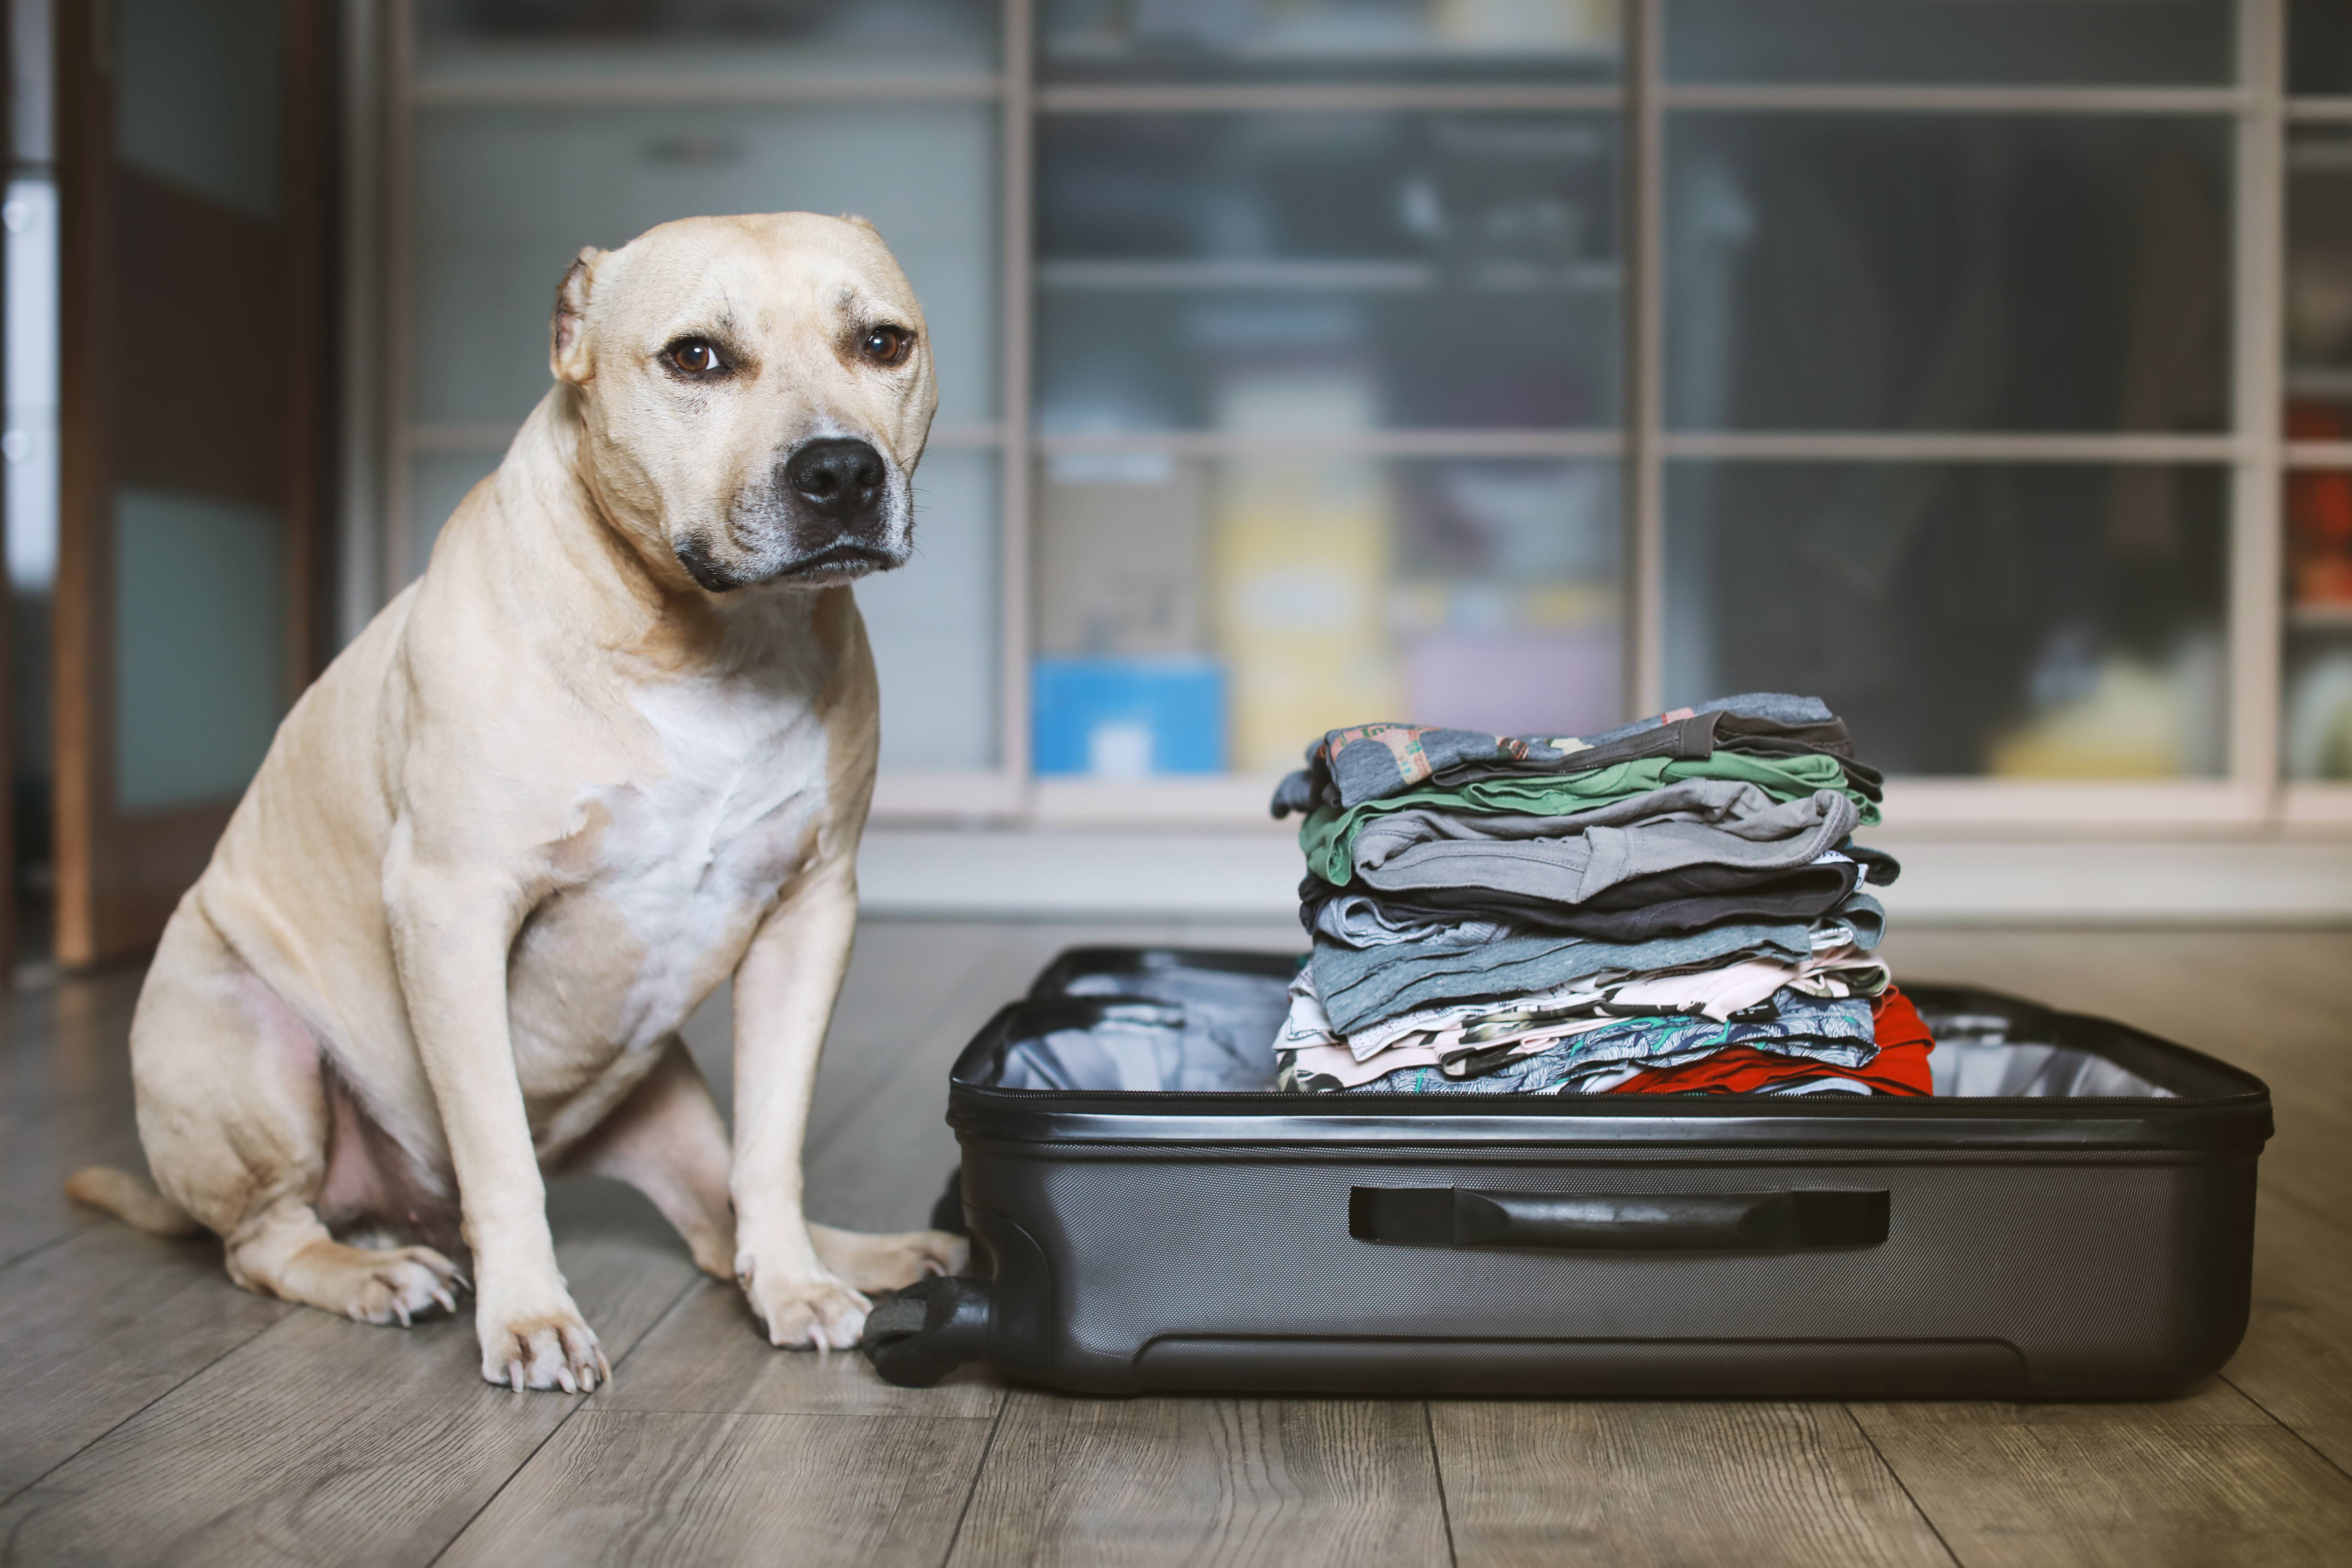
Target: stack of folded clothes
[1676,906]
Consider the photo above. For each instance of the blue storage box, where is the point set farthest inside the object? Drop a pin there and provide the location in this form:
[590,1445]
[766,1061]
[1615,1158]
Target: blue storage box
[1127,718]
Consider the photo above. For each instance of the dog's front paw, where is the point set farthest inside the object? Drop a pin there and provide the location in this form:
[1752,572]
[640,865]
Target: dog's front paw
[806,1308]
[541,1344]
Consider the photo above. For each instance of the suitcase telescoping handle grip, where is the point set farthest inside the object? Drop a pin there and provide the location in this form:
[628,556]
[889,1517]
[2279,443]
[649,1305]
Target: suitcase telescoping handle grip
[1470,1216]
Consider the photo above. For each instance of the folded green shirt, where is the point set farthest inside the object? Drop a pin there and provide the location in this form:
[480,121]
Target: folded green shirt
[1328,834]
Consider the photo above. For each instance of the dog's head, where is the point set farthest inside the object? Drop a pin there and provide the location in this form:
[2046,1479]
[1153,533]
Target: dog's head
[754,393]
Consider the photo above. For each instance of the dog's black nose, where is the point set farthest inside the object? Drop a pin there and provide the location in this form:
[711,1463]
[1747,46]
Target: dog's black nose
[840,480]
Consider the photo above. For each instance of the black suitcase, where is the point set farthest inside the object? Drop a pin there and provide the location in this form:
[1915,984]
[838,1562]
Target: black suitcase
[2071,1216]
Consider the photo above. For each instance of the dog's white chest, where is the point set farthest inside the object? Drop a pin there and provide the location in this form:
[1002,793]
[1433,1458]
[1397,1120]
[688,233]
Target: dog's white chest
[692,859]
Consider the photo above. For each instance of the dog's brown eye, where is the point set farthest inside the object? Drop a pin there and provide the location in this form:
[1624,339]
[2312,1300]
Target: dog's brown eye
[885,344]
[696,356]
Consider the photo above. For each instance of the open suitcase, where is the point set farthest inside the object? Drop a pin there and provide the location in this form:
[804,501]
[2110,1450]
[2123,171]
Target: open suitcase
[2071,1214]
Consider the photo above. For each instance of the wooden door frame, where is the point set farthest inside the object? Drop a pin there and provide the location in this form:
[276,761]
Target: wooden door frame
[119,875]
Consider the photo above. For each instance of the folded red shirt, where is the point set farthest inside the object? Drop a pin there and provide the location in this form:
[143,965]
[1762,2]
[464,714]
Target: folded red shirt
[1899,1067]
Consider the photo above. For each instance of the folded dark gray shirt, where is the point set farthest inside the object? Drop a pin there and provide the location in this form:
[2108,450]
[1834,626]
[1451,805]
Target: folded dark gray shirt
[1571,858]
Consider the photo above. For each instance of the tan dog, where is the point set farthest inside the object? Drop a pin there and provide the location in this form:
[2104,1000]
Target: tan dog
[616,745]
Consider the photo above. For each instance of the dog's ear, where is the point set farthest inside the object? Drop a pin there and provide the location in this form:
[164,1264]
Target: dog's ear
[567,337]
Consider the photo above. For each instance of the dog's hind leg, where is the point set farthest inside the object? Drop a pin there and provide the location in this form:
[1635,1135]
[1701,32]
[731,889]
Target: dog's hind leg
[888,1262]
[234,1113]
[669,1140]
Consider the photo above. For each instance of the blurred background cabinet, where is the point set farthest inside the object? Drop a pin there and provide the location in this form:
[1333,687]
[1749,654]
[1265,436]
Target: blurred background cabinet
[1519,364]
[1983,365]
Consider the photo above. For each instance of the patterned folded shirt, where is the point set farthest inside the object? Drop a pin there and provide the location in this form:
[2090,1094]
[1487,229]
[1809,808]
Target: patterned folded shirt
[1371,761]
[1835,1033]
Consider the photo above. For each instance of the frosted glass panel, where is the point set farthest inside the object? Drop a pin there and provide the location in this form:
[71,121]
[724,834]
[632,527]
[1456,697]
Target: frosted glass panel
[1324,272]
[506,197]
[2316,728]
[200,620]
[196,97]
[1947,272]
[2319,283]
[436,483]
[2317,723]
[2037,42]
[934,623]
[1197,616]
[2030,621]
[2319,47]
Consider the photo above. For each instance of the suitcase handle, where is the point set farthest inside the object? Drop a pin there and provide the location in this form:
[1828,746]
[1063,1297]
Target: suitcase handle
[1471,1217]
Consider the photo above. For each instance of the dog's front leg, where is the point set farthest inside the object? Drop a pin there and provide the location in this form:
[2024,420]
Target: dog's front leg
[785,991]
[451,930]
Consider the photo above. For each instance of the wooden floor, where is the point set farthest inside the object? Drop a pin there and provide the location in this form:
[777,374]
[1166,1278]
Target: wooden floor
[149,1411]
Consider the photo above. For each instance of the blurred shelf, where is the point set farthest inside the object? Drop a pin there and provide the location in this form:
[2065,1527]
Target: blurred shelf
[1935,98]
[2319,381]
[1321,276]
[2320,618]
[1306,97]
[2319,454]
[1946,447]
[428,437]
[718,83]
[1537,444]
[2333,156]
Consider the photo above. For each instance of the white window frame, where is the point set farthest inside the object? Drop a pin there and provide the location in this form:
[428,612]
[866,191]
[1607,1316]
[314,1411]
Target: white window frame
[384,96]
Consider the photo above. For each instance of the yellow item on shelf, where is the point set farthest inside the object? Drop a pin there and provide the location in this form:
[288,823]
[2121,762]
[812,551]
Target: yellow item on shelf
[1300,571]
[2138,721]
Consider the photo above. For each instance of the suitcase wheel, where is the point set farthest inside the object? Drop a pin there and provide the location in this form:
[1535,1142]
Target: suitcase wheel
[917,1336]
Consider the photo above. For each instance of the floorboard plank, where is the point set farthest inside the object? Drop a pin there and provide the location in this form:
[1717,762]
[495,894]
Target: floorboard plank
[2204,1482]
[2297,1361]
[64,1100]
[38,1152]
[1744,1485]
[1286,1483]
[102,1325]
[708,1357]
[327,1441]
[651,1488]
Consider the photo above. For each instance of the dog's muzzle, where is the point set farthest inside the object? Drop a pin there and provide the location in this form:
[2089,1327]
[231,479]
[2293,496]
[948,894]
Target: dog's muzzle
[828,515]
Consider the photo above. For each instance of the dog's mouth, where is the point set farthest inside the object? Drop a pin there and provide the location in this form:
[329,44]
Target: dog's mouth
[842,560]
[839,561]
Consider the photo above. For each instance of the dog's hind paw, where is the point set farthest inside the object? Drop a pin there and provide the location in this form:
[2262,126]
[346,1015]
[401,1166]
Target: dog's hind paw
[371,1284]
[888,1262]
[808,1311]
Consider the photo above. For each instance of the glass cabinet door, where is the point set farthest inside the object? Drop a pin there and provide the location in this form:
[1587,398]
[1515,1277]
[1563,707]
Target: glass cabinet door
[1857,292]
[542,127]
[2316,665]
[1399,359]
[1326,388]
